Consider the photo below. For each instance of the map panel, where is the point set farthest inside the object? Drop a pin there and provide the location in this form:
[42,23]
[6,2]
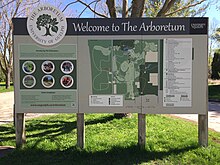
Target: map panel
[125,67]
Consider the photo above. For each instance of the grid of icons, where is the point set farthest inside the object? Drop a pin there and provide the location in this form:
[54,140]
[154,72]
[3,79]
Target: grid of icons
[47,73]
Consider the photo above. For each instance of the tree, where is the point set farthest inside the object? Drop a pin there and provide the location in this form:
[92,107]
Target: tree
[2,76]
[216,35]
[9,10]
[48,23]
[139,8]
[216,65]
[213,38]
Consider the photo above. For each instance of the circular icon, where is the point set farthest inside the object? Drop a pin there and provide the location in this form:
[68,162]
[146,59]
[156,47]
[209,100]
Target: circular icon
[48,81]
[28,67]
[67,67]
[66,81]
[29,81]
[46,25]
[48,67]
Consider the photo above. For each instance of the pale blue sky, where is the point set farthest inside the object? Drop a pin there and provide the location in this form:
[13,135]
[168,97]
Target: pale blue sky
[212,12]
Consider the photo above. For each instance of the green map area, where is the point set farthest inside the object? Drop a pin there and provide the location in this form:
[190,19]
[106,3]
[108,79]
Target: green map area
[126,67]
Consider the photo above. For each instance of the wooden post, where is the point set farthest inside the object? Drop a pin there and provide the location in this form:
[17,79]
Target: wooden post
[80,130]
[14,115]
[20,130]
[141,130]
[203,130]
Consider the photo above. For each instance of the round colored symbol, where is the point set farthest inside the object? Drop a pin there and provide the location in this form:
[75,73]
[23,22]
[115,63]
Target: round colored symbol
[66,81]
[28,67]
[67,67]
[48,81]
[48,67]
[29,81]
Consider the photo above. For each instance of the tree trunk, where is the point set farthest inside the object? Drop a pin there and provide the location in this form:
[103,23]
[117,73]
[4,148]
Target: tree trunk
[8,78]
[137,8]
[125,9]
[47,32]
[111,8]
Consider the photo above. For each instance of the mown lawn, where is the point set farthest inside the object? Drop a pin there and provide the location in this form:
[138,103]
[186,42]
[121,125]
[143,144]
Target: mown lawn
[52,140]
[2,87]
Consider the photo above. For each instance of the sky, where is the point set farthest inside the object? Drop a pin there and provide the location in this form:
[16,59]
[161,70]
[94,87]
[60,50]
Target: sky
[213,13]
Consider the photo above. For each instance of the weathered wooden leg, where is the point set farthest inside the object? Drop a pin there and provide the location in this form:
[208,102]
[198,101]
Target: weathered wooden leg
[80,130]
[203,130]
[20,130]
[141,130]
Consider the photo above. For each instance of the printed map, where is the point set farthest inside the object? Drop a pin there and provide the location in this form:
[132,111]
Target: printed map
[126,67]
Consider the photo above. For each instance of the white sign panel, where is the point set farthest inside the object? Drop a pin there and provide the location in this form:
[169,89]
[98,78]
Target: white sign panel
[177,72]
[106,100]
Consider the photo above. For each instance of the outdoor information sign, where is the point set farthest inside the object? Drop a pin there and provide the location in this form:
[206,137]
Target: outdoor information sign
[144,65]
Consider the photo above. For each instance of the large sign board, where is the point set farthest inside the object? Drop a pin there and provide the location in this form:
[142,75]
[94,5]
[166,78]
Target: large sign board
[148,65]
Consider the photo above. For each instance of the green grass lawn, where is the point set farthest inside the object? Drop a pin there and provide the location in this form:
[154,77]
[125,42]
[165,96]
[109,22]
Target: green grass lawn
[52,140]
[2,87]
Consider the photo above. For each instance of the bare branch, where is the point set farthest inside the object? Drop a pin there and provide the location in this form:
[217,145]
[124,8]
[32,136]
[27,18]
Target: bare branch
[185,7]
[71,3]
[86,6]
[166,7]
[16,9]
[6,4]
[111,8]
[95,7]
[137,8]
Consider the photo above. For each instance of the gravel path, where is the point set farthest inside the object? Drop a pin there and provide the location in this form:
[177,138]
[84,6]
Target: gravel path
[6,109]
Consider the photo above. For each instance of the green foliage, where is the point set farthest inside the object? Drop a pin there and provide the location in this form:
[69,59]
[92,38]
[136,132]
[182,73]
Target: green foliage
[216,35]
[2,76]
[52,140]
[209,66]
[48,23]
[214,92]
[3,89]
[216,65]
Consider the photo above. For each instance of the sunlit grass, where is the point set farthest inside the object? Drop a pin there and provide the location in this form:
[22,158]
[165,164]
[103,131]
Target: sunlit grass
[52,140]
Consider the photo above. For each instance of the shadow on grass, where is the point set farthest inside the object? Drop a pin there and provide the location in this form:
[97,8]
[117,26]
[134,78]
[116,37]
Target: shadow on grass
[49,129]
[7,130]
[101,120]
[116,155]
[59,127]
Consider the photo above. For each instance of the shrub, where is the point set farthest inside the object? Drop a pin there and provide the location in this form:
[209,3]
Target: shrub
[216,65]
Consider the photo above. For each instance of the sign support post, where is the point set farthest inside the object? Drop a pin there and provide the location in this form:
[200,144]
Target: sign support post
[141,130]
[80,130]
[203,130]
[144,66]
[20,130]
